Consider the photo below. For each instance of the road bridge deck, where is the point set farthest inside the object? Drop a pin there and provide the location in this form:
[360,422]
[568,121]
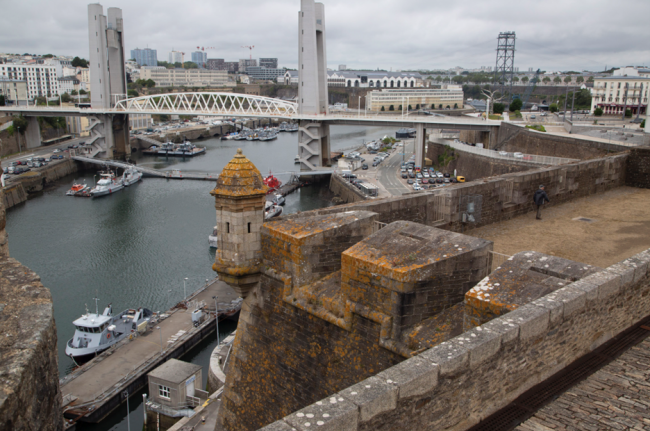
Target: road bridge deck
[95,389]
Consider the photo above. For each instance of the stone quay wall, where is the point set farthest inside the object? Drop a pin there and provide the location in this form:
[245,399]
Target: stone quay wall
[346,191]
[13,195]
[638,168]
[30,398]
[503,197]
[514,138]
[452,385]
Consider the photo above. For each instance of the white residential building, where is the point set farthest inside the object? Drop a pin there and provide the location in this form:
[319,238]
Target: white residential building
[631,71]
[364,79]
[176,57]
[186,77]
[67,84]
[447,95]
[140,121]
[41,79]
[613,94]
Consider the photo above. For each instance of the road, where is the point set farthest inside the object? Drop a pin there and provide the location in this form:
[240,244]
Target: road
[389,170]
[41,151]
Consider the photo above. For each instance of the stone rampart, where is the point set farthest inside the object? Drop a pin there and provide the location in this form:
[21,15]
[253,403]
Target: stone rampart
[346,191]
[13,195]
[638,168]
[475,166]
[514,138]
[503,197]
[456,384]
[34,181]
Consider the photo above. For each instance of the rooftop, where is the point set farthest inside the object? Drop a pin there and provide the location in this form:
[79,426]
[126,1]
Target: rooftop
[175,371]
[240,178]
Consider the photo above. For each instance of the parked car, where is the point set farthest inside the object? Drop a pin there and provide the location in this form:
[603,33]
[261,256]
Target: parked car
[410,181]
[518,155]
[376,163]
[405,175]
[411,174]
[439,181]
[439,174]
[425,181]
[56,150]
[364,167]
[446,175]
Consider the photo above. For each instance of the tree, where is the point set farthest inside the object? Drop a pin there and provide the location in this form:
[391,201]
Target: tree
[150,83]
[48,56]
[580,79]
[82,91]
[516,105]
[65,97]
[515,79]
[524,79]
[382,108]
[440,106]
[455,105]
[557,80]
[498,108]
[628,113]
[590,79]
[400,108]
[41,100]
[642,124]
[391,108]
[409,108]
[133,93]
[21,124]
[190,65]
[598,112]
[74,93]
[553,107]
[79,62]
[568,79]
[438,78]
[2,100]
[546,80]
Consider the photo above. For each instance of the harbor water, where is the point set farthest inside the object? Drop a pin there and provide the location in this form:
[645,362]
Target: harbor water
[147,244]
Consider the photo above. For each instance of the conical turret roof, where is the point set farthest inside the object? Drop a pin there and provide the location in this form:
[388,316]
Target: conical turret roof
[240,178]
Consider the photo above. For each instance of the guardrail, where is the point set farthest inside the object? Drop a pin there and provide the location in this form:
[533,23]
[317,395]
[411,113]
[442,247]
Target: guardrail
[504,155]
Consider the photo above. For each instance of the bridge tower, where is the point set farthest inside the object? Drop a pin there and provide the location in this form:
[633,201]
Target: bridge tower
[240,196]
[313,135]
[109,133]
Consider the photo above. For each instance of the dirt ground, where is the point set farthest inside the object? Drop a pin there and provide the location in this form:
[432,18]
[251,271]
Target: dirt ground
[619,228]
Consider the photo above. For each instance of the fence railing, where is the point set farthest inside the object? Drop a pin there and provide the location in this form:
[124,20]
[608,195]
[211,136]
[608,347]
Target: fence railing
[498,259]
[504,155]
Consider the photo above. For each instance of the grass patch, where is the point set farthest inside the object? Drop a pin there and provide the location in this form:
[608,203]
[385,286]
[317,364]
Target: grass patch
[537,127]
[495,117]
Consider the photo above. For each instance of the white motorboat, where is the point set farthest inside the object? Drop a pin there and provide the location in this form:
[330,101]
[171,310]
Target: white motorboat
[106,185]
[278,199]
[131,176]
[271,210]
[96,332]
[213,239]
[77,188]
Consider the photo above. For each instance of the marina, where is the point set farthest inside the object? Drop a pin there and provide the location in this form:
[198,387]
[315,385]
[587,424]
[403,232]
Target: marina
[95,389]
[186,149]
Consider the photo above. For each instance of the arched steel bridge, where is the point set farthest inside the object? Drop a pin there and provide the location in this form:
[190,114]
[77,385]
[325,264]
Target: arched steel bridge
[201,103]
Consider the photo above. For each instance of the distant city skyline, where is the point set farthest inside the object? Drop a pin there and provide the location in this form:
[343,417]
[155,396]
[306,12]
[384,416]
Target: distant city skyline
[418,34]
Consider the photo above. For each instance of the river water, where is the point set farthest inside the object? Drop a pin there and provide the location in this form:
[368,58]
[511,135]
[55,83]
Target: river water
[136,247]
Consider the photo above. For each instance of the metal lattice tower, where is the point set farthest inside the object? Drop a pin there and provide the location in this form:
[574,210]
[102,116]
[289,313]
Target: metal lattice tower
[505,66]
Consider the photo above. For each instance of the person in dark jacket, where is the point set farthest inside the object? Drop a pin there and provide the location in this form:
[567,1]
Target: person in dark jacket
[540,197]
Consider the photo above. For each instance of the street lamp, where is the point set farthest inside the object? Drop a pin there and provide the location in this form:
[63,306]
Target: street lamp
[216,317]
[128,419]
[184,289]
[160,332]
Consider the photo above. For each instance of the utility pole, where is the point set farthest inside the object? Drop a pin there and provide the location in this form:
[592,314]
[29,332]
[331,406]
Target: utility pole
[638,108]
[566,96]
[572,102]
[625,101]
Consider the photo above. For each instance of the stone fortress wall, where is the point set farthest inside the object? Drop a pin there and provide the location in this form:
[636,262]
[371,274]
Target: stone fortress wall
[29,394]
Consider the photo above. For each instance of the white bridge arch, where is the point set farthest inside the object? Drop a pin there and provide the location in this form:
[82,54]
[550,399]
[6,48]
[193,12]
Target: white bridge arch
[202,103]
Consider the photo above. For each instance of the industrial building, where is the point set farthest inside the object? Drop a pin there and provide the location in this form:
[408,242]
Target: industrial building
[448,96]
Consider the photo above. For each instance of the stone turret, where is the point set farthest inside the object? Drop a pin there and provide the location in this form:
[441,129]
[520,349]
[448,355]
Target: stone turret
[240,196]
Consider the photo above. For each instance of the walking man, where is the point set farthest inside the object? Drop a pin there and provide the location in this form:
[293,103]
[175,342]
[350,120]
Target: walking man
[540,197]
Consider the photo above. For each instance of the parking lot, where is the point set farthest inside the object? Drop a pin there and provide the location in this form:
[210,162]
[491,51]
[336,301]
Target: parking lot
[15,166]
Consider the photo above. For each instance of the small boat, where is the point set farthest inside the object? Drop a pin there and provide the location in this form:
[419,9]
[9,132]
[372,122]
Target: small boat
[106,185]
[213,239]
[297,159]
[271,210]
[278,199]
[292,127]
[96,332]
[77,188]
[131,176]
[272,183]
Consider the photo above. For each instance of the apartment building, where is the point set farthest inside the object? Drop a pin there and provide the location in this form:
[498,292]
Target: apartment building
[445,95]
[613,94]
[186,77]
[42,80]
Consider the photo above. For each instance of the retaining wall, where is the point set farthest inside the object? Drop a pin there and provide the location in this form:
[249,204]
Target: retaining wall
[454,385]
[346,191]
[638,168]
[515,138]
[13,195]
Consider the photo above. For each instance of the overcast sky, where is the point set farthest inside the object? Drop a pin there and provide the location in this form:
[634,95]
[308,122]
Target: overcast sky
[407,34]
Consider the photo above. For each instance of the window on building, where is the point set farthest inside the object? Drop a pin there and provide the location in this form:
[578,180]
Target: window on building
[164,391]
[227,227]
[249,227]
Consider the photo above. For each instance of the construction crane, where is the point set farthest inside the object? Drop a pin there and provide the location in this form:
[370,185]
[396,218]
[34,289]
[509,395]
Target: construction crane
[202,48]
[251,50]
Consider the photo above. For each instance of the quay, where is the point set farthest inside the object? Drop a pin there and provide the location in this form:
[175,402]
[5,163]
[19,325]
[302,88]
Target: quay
[98,387]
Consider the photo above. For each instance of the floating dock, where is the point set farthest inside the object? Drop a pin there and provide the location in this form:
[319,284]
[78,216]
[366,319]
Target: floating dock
[94,390]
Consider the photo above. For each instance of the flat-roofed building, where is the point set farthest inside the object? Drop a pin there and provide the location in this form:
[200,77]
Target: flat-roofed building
[145,57]
[140,121]
[269,63]
[262,73]
[13,90]
[364,79]
[186,77]
[613,94]
[448,96]
[42,81]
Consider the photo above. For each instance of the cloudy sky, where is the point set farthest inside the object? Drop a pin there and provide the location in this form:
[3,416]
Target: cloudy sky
[407,34]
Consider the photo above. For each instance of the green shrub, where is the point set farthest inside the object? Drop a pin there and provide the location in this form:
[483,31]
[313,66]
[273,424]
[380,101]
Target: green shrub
[498,108]
[598,112]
